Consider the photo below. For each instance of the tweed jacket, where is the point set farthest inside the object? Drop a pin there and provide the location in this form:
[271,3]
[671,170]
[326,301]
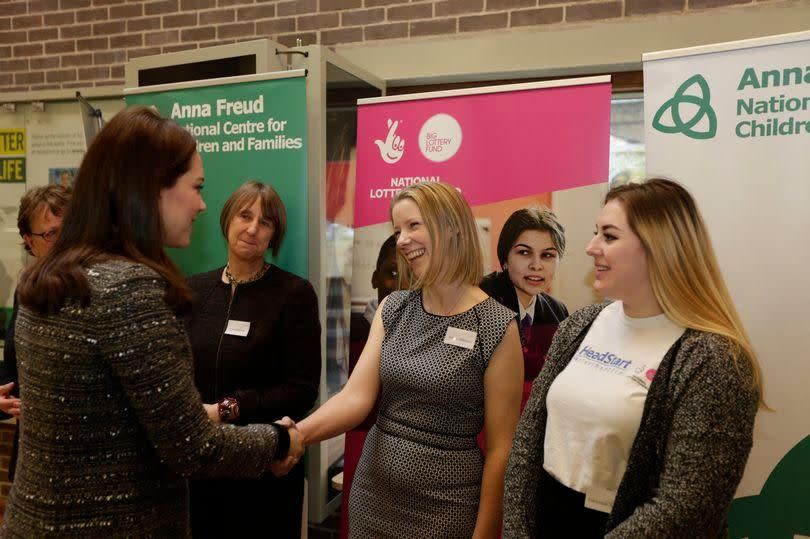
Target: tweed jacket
[688,455]
[111,422]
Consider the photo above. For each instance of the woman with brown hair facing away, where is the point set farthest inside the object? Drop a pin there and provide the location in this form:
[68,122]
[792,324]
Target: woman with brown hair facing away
[641,421]
[111,423]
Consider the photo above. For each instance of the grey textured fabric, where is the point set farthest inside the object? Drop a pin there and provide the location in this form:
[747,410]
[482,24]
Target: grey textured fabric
[688,456]
[420,471]
[111,422]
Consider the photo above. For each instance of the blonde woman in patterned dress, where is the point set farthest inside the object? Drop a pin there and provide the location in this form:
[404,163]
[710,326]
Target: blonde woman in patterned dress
[447,361]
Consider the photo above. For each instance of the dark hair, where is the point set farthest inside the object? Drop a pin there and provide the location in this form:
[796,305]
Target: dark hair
[537,218]
[388,247]
[272,209]
[53,197]
[115,210]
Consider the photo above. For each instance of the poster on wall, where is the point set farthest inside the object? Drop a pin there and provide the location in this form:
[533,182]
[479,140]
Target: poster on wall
[63,176]
[12,155]
[732,123]
[37,147]
[506,148]
[250,127]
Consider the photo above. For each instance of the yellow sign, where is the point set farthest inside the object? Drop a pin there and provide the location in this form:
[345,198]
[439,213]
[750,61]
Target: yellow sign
[12,169]
[12,141]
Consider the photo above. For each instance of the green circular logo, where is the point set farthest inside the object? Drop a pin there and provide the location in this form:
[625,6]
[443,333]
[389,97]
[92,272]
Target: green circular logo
[704,110]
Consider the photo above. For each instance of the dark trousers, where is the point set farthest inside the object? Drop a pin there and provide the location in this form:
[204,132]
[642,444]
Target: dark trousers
[562,513]
[266,507]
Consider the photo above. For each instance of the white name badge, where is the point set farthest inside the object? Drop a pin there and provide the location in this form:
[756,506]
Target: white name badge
[460,337]
[238,328]
[600,499]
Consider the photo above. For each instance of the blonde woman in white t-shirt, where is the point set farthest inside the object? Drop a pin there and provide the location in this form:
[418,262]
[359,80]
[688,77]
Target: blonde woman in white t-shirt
[641,422]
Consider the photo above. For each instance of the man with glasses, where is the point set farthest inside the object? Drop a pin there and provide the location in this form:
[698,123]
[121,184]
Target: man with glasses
[39,221]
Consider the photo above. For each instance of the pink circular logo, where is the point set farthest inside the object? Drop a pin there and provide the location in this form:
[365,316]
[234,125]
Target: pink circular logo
[650,374]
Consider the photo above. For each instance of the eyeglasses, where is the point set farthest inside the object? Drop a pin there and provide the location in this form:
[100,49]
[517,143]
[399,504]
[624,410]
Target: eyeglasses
[49,236]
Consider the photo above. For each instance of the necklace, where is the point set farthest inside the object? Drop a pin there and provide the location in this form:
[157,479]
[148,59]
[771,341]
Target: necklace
[450,310]
[234,281]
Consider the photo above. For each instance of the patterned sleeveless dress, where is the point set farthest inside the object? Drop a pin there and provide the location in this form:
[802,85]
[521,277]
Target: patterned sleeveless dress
[420,471]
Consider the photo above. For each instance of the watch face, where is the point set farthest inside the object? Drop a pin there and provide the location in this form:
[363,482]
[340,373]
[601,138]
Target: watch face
[228,409]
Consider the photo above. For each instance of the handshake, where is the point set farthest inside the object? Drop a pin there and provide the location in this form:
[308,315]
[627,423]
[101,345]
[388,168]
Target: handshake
[219,413]
[283,466]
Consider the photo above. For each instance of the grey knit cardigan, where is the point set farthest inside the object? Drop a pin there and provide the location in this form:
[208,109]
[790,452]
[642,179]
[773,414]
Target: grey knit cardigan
[688,456]
[111,421]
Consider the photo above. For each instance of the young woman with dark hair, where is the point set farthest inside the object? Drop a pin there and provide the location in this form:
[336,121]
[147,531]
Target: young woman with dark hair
[530,246]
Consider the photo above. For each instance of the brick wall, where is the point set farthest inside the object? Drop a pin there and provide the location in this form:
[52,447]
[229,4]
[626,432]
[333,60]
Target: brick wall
[52,44]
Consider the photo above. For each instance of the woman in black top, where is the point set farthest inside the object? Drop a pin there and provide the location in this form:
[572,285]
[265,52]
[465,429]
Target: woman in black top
[255,336]
[530,246]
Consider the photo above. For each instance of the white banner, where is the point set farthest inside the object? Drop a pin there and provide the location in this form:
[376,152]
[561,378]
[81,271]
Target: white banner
[732,123]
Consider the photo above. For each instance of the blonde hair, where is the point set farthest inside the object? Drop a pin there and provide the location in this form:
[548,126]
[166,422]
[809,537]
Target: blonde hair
[456,252]
[684,273]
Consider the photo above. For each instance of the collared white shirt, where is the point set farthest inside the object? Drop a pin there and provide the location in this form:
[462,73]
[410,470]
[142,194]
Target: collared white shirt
[528,310]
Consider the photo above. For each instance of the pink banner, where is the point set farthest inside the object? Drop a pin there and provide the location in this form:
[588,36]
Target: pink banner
[492,146]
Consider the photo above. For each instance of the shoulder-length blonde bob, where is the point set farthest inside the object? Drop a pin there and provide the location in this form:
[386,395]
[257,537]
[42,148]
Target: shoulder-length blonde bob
[683,269]
[456,253]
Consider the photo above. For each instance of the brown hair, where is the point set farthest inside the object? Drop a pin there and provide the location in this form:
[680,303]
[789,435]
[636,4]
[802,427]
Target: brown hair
[537,218]
[114,211]
[684,272]
[456,255]
[272,209]
[52,197]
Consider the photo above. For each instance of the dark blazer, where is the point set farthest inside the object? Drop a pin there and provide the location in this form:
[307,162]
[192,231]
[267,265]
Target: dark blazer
[548,313]
[546,310]
[274,371]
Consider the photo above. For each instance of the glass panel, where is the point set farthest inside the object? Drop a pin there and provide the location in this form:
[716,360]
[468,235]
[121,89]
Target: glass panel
[626,139]
[342,91]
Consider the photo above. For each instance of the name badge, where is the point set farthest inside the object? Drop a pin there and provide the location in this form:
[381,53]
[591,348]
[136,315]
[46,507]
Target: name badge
[599,499]
[460,337]
[238,328]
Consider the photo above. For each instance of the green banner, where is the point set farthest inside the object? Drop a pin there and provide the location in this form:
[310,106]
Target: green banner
[255,130]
